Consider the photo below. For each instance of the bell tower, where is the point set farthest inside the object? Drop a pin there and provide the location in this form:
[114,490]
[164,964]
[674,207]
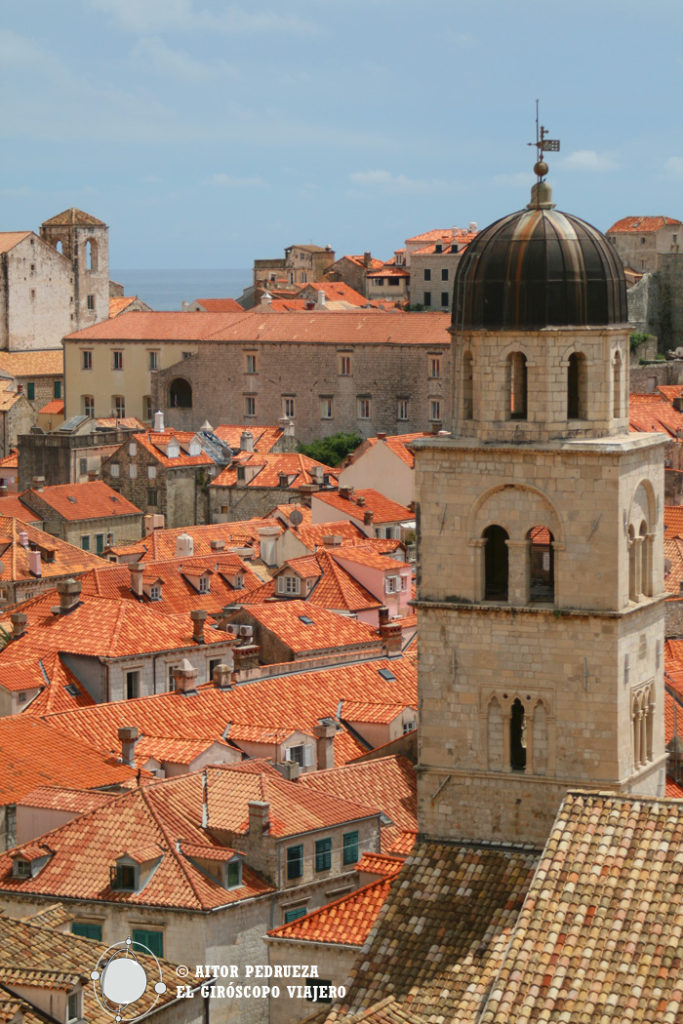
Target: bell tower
[541,588]
[84,240]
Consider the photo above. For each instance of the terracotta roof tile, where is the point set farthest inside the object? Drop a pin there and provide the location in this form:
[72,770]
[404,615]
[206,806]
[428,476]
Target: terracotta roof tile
[384,509]
[297,468]
[39,363]
[379,864]
[220,305]
[305,628]
[265,438]
[58,558]
[652,412]
[91,500]
[640,225]
[55,407]
[63,798]
[8,239]
[10,461]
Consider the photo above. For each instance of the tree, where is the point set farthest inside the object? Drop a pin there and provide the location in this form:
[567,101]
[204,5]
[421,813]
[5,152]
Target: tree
[331,450]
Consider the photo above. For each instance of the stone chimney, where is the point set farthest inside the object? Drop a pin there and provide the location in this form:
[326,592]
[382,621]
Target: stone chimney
[345,492]
[198,616]
[217,545]
[324,733]
[246,656]
[246,441]
[185,678]
[332,540]
[158,422]
[268,536]
[222,677]
[368,516]
[381,435]
[289,770]
[184,546]
[92,475]
[38,483]
[69,596]
[360,500]
[367,260]
[383,613]
[18,620]
[259,812]
[23,538]
[34,563]
[3,490]
[136,570]
[320,300]
[128,734]
[392,637]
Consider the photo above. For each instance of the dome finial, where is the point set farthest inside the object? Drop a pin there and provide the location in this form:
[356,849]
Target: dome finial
[541,193]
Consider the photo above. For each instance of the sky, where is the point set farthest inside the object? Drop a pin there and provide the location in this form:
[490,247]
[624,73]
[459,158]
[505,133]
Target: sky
[208,134]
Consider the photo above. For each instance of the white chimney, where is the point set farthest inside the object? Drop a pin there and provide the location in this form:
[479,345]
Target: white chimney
[23,538]
[320,302]
[34,563]
[159,421]
[184,546]
[246,441]
[185,677]
[136,570]
[268,535]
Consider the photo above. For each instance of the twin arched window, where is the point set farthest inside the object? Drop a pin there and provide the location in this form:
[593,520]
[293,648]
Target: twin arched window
[640,582]
[517,730]
[539,569]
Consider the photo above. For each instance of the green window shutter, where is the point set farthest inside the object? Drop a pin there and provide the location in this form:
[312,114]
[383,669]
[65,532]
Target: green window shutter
[292,915]
[323,854]
[153,940]
[295,861]
[88,931]
[30,391]
[57,389]
[350,848]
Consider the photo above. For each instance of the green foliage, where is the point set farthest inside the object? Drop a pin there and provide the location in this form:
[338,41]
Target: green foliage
[5,637]
[636,340]
[331,450]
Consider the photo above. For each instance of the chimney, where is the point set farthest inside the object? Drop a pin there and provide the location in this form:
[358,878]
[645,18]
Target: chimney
[678,403]
[69,596]
[18,620]
[392,637]
[259,811]
[320,301]
[128,734]
[245,657]
[198,616]
[185,678]
[383,615]
[184,546]
[345,492]
[222,677]
[23,538]
[332,540]
[38,483]
[268,536]
[158,422]
[381,435]
[217,545]
[246,441]
[436,426]
[368,516]
[360,500]
[289,428]
[324,734]
[92,475]
[367,260]
[136,570]
[34,563]
[289,770]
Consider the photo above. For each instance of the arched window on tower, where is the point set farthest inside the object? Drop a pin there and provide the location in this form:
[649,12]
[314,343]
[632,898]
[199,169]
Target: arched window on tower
[517,386]
[467,387]
[541,565]
[517,736]
[495,564]
[180,394]
[91,255]
[645,561]
[632,565]
[577,388]
[616,385]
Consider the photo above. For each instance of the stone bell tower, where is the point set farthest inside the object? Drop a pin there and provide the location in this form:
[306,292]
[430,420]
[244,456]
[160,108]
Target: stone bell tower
[541,590]
[84,240]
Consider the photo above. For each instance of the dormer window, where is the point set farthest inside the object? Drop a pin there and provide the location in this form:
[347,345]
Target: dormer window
[288,584]
[238,581]
[21,868]
[30,860]
[124,877]
[73,1006]
[173,450]
[204,584]
[233,873]
[155,592]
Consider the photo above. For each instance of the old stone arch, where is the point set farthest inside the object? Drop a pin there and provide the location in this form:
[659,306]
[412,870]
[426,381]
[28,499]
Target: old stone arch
[617,384]
[91,254]
[516,386]
[640,534]
[577,387]
[180,394]
[495,563]
[467,386]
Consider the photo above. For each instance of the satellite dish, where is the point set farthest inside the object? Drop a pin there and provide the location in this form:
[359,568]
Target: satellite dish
[296,517]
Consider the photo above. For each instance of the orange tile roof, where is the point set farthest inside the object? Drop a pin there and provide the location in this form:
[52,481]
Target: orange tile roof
[317,326]
[673,712]
[155,442]
[398,443]
[296,467]
[673,520]
[54,407]
[58,557]
[64,798]
[161,544]
[10,461]
[371,712]
[323,629]
[674,789]
[265,438]
[220,305]
[116,422]
[311,534]
[359,554]
[118,303]
[640,225]
[384,509]
[283,305]
[337,589]
[289,702]
[652,412]
[345,922]
[379,864]
[360,260]
[402,842]
[8,239]
[285,511]
[73,216]
[153,817]
[39,363]
[337,290]
[12,507]
[33,753]
[91,500]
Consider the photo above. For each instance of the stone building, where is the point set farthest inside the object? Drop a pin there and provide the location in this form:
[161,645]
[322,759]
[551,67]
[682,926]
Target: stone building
[300,264]
[72,452]
[642,241]
[353,371]
[570,690]
[91,516]
[39,375]
[432,259]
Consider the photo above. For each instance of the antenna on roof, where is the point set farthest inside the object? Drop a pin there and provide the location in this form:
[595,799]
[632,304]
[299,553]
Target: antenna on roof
[543,145]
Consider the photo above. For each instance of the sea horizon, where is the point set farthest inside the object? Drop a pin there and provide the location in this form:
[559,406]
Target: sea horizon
[166,290]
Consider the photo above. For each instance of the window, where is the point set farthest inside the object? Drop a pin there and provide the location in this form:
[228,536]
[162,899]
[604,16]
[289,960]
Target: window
[146,407]
[434,366]
[445,299]
[152,496]
[295,914]
[21,868]
[91,302]
[233,874]
[319,989]
[99,543]
[123,877]
[288,584]
[350,848]
[391,584]
[85,542]
[73,1006]
[57,389]
[323,854]
[427,274]
[427,301]
[204,584]
[86,359]
[541,564]
[31,391]
[295,755]
[402,409]
[517,385]
[155,592]
[113,468]
[180,394]
[153,360]
[444,273]
[288,406]
[344,365]
[119,404]
[576,387]
[394,282]
[154,941]
[435,410]
[132,684]
[616,385]
[295,861]
[495,564]
[326,408]
[117,359]
[518,737]
[88,931]
[88,405]
[467,387]
[250,362]
[187,355]
[171,679]
[250,405]
[363,408]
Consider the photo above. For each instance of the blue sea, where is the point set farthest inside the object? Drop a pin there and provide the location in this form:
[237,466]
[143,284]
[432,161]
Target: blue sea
[168,289]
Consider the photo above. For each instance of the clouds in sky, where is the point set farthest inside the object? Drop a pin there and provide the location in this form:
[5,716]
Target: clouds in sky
[154,16]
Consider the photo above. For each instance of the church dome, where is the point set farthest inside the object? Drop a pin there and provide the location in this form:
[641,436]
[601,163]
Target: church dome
[539,268]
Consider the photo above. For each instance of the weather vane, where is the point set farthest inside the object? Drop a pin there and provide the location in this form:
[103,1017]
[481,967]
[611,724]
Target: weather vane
[543,145]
